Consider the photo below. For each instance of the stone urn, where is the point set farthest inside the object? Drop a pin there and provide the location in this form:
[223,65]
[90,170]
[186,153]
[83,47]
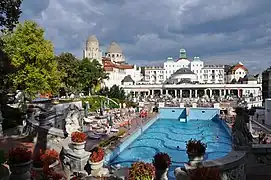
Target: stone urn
[21,170]
[161,174]
[78,147]
[96,165]
[195,158]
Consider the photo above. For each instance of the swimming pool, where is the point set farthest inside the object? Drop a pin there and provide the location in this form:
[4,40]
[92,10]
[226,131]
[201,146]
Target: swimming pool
[164,135]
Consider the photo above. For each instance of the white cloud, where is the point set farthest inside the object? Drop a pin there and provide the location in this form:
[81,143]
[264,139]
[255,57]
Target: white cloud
[151,30]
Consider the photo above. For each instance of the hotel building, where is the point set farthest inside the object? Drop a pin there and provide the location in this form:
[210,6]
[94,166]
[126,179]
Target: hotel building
[179,77]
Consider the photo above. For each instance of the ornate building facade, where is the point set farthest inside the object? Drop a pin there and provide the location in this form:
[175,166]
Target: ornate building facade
[194,70]
[180,78]
[113,62]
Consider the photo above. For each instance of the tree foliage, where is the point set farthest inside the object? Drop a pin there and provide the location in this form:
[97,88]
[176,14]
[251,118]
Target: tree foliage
[91,74]
[69,66]
[116,92]
[9,13]
[33,57]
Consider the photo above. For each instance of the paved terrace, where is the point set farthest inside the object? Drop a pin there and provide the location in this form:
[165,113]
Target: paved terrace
[135,123]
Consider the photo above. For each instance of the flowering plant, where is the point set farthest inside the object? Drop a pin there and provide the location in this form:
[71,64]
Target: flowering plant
[49,156]
[161,161]
[78,137]
[19,155]
[203,173]
[195,146]
[141,170]
[48,173]
[97,154]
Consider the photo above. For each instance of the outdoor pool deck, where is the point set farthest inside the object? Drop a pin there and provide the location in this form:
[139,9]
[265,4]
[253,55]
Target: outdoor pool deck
[135,124]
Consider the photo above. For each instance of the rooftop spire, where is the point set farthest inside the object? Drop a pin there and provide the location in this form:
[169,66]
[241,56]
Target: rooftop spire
[183,54]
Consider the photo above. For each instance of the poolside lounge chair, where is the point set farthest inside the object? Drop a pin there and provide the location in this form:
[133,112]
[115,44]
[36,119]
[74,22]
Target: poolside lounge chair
[103,132]
[114,130]
[88,120]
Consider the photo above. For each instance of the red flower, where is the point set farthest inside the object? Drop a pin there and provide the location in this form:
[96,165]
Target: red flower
[161,161]
[78,137]
[45,157]
[195,146]
[19,155]
[97,154]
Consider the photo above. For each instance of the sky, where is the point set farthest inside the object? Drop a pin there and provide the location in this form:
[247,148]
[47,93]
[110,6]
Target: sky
[218,31]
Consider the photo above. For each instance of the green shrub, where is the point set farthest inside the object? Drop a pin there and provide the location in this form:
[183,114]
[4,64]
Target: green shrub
[121,132]
[95,102]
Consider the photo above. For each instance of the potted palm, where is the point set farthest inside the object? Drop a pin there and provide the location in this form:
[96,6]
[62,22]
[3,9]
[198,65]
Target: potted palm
[96,158]
[195,150]
[142,171]
[20,162]
[78,141]
[161,162]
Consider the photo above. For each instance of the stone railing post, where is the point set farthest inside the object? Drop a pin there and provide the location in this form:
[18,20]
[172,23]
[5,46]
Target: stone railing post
[73,161]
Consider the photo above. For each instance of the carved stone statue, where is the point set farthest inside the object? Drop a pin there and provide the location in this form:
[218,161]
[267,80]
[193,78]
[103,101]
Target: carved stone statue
[241,137]
[73,118]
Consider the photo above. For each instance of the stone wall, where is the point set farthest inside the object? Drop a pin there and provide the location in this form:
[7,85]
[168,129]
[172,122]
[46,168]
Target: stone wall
[258,164]
[232,166]
[56,119]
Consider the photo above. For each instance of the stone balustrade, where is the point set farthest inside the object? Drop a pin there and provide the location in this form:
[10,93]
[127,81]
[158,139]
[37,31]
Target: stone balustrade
[232,166]
[258,163]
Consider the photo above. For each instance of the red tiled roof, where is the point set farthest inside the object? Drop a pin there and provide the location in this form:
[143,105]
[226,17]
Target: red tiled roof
[109,65]
[237,66]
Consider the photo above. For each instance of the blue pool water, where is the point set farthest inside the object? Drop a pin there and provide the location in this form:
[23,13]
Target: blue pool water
[165,135]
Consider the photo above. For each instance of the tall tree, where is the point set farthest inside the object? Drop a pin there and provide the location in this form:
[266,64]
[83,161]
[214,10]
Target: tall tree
[33,56]
[117,92]
[9,13]
[91,75]
[69,66]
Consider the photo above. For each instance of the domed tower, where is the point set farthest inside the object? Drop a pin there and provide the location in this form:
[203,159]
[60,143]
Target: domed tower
[92,50]
[115,53]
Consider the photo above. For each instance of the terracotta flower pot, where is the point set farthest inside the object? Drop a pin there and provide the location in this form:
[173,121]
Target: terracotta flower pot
[194,158]
[97,165]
